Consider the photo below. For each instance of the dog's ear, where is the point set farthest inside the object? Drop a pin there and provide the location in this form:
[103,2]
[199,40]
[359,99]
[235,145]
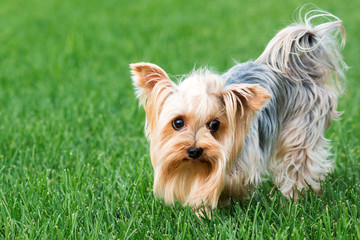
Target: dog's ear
[241,102]
[146,75]
[244,98]
[152,86]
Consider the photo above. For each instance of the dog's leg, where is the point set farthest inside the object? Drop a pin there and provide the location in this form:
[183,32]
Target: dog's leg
[307,58]
[302,153]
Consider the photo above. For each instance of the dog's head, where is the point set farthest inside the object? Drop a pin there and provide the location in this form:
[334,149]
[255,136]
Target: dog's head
[195,128]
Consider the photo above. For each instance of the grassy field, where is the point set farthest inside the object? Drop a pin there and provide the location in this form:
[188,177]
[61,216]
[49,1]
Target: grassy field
[73,157]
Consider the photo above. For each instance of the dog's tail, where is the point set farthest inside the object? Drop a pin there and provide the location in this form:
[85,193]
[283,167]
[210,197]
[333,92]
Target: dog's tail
[306,52]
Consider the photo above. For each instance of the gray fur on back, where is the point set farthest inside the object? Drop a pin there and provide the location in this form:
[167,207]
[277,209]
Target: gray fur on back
[267,123]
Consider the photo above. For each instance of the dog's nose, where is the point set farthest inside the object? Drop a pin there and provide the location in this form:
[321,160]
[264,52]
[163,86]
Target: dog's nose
[194,152]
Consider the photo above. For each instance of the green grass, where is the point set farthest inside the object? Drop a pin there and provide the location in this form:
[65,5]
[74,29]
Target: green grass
[73,157]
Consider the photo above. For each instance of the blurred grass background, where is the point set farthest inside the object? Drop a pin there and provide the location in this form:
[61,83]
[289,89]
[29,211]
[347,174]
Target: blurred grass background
[73,157]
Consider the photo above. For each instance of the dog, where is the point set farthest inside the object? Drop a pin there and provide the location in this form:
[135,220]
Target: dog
[217,136]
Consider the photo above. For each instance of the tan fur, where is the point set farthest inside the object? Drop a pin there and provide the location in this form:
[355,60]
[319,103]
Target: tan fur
[178,178]
[300,67]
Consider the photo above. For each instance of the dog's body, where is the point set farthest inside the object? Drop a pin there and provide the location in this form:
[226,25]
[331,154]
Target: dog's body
[287,135]
[214,136]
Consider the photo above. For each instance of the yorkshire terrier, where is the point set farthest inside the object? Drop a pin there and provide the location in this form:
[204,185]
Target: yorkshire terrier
[214,137]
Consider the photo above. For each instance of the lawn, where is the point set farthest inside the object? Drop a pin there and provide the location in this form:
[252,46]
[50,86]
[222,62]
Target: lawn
[74,161]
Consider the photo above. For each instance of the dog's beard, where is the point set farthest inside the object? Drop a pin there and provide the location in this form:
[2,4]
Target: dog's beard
[193,182]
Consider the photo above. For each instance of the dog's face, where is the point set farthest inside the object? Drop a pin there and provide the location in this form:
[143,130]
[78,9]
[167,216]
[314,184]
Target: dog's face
[195,130]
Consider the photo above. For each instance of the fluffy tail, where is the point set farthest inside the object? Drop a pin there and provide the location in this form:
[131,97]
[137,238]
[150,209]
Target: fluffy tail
[307,52]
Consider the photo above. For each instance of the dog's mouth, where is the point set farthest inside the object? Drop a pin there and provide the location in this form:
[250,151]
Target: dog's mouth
[198,160]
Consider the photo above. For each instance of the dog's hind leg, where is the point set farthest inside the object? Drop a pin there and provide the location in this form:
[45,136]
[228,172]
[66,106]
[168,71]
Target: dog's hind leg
[302,154]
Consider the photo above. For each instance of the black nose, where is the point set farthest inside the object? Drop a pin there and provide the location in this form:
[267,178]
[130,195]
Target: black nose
[194,152]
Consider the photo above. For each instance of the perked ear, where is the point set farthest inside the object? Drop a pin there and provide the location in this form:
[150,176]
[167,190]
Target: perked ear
[241,101]
[146,75]
[152,86]
[245,97]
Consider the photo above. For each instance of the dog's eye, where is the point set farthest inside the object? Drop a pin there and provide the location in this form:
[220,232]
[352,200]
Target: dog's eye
[178,123]
[213,125]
